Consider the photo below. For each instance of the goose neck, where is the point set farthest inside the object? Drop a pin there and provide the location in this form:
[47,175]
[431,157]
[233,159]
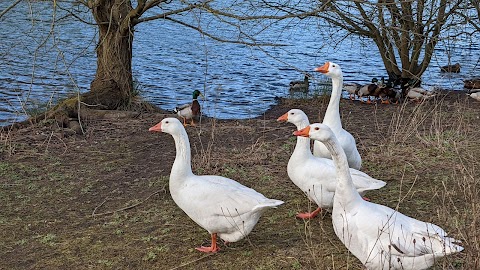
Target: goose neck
[345,186]
[303,144]
[182,165]
[332,115]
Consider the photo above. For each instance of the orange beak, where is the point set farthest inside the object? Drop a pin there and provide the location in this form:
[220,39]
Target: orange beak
[156,128]
[324,68]
[283,118]
[302,132]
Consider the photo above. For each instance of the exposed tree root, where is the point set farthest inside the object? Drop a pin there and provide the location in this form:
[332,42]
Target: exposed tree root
[70,113]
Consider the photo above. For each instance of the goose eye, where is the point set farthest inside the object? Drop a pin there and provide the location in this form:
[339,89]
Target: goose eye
[317,128]
[333,65]
[292,113]
[166,122]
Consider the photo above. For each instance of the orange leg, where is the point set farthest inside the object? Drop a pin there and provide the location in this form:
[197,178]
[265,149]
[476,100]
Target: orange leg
[184,123]
[213,248]
[192,123]
[387,101]
[309,215]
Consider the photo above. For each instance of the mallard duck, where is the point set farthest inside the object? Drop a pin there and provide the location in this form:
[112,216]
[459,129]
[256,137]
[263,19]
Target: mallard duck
[316,176]
[222,206]
[472,83]
[419,94]
[368,90]
[387,93]
[300,86]
[352,89]
[390,95]
[381,91]
[191,110]
[451,68]
[380,237]
[332,119]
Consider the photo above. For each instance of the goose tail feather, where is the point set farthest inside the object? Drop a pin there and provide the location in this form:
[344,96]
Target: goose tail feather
[270,203]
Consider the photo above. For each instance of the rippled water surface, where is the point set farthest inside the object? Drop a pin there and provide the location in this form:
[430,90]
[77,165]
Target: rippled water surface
[41,63]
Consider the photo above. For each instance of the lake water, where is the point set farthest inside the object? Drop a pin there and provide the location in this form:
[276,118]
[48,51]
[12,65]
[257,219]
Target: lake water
[41,63]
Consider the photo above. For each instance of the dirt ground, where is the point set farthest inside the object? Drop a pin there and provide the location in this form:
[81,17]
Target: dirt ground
[101,200]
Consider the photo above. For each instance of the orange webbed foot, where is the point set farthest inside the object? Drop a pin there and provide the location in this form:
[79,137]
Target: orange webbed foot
[208,249]
[211,249]
[309,215]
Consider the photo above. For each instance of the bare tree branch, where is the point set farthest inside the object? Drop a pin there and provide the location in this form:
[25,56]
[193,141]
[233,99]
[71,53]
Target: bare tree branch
[9,7]
[166,14]
[70,13]
[214,37]
[402,30]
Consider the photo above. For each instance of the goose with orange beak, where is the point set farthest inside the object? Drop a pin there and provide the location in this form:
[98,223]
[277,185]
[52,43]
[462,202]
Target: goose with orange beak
[380,237]
[222,206]
[316,176]
[332,119]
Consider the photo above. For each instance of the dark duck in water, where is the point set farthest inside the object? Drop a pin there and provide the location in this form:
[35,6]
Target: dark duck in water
[451,68]
[189,111]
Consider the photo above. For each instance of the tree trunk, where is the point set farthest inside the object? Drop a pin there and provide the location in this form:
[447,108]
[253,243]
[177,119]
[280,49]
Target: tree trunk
[113,85]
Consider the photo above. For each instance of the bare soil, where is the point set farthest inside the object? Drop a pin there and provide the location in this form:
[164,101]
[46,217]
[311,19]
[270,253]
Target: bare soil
[100,200]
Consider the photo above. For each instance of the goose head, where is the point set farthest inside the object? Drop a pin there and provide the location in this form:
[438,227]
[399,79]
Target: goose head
[294,116]
[330,69]
[168,125]
[317,131]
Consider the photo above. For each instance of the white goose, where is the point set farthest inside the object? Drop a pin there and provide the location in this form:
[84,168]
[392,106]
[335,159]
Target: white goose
[315,176]
[380,237]
[220,205]
[332,119]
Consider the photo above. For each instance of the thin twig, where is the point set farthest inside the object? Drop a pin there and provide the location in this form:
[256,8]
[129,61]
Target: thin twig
[98,206]
[124,208]
[9,7]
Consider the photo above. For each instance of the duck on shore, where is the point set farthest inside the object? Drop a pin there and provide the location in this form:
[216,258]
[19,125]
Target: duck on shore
[419,94]
[474,95]
[189,111]
[352,89]
[300,86]
[473,83]
[368,90]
